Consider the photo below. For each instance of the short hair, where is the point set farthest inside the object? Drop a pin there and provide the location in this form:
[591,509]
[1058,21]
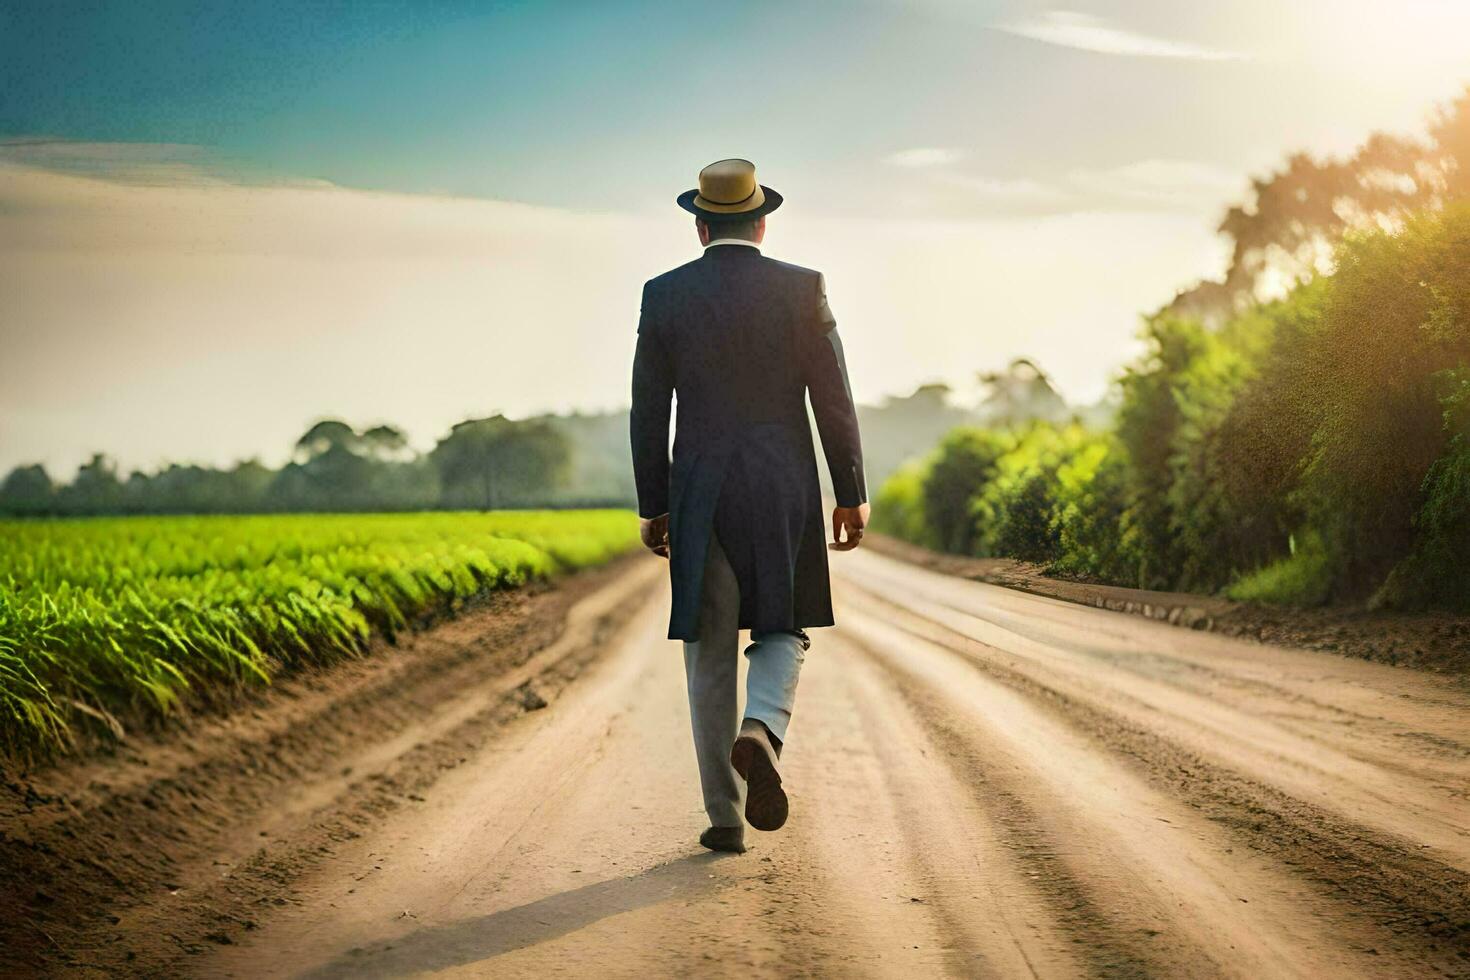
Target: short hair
[743,230]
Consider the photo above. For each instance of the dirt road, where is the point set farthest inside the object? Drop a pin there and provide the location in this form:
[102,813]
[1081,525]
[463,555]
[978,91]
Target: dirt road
[984,783]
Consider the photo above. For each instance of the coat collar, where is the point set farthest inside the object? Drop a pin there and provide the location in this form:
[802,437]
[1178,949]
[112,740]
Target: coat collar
[724,247]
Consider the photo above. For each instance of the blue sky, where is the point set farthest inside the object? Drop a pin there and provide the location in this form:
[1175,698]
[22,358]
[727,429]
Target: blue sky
[561,103]
[979,180]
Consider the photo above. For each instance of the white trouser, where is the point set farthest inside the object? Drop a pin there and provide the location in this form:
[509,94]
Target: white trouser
[711,666]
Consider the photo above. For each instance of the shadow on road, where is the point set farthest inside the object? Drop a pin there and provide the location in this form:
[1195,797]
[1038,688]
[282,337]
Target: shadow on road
[487,936]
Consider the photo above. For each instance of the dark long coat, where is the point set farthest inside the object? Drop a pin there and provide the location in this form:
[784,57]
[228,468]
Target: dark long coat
[742,339]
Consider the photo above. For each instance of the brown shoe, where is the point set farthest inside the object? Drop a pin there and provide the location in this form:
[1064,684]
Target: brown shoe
[728,839]
[755,760]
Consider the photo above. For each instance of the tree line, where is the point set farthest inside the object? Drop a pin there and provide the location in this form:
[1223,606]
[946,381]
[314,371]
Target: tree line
[1304,447]
[545,461]
[481,464]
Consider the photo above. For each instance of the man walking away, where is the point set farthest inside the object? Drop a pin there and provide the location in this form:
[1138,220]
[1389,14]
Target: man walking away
[743,340]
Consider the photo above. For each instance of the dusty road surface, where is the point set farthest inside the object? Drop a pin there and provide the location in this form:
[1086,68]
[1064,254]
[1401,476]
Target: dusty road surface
[983,782]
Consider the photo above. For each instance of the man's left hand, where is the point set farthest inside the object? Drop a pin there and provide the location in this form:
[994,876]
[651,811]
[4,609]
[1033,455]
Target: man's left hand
[655,534]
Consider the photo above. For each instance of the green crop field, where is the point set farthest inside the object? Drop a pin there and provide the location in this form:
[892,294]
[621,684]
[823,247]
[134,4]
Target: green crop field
[123,617]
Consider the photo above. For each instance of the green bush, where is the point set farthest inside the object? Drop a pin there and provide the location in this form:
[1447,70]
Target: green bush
[1148,426]
[1438,571]
[1015,513]
[1301,579]
[899,509]
[1260,446]
[1091,494]
[963,464]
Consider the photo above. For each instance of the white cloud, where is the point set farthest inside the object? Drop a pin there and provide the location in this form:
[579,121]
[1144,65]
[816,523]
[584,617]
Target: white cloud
[1180,186]
[923,156]
[158,164]
[1184,184]
[1085,32]
[1003,194]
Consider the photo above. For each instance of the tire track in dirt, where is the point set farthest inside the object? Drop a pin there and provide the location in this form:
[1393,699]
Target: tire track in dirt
[1229,701]
[901,827]
[1138,903]
[1384,897]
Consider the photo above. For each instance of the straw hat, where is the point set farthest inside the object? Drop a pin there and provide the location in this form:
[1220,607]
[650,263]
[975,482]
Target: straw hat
[727,191]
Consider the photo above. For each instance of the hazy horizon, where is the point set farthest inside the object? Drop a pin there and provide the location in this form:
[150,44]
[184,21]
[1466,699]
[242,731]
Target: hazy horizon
[219,226]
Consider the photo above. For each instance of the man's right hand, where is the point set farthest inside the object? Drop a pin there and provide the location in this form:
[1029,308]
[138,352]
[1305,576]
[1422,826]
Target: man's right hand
[655,534]
[850,520]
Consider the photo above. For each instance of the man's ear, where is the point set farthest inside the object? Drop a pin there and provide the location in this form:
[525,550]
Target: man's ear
[702,228]
[760,229]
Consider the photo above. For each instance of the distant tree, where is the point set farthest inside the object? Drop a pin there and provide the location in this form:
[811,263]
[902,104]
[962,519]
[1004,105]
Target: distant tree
[407,485]
[926,399]
[334,479]
[27,490]
[326,435]
[905,427]
[497,462]
[1451,135]
[249,482]
[1019,394]
[339,468]
[536,459]
[95,490]
[601,469]
[384,442]
[466,462]
[1286,233]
